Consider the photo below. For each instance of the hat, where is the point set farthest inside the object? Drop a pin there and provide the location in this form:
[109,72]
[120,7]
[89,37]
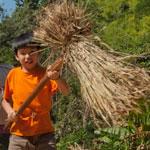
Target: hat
[25,39]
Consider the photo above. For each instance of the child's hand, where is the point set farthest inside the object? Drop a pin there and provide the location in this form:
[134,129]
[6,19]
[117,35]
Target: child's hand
[12,117]
[52,74]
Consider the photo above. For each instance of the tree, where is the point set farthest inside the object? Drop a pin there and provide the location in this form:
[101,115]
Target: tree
[21,20]
[19,3]
[2,13]
[31,3]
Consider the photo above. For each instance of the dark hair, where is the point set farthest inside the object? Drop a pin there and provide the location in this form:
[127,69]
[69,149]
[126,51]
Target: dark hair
[25,39]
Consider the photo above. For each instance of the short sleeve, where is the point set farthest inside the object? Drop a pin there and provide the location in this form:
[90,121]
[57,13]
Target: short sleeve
[7,90]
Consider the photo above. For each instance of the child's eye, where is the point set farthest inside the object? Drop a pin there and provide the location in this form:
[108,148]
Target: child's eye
[32,52]
[23,53]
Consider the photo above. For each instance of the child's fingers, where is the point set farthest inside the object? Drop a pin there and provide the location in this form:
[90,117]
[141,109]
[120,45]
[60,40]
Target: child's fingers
[54,75]
[12,116]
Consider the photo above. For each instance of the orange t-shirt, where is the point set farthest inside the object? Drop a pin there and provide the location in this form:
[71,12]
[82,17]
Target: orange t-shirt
[36,117]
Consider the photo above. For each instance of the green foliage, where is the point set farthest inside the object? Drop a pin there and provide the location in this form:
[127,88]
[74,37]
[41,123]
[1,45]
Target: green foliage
[1,12]
[19,3]
[142,118]
[113,138]
[22,20]
[83,136]
[67,122]
[134,134]
[31,3]
[6,35]
[122,132]
[125,24]
[6,55]
[72,138]
[141,122]
[143,8]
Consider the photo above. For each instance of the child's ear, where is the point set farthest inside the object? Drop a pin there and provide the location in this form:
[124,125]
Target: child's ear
[16,57]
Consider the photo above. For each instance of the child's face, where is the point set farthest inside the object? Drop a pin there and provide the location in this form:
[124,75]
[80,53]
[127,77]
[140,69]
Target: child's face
[28,58]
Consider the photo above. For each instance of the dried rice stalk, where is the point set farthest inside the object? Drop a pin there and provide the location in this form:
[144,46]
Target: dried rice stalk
[109,87]
[76,147]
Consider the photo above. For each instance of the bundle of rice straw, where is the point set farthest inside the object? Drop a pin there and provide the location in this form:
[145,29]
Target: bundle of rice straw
[109,86]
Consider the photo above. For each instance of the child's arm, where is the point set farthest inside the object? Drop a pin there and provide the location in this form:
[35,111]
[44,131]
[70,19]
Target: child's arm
[9,110]
[55,75]
[63,86]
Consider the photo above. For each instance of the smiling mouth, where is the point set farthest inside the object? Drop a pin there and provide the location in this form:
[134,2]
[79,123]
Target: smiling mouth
[29,62]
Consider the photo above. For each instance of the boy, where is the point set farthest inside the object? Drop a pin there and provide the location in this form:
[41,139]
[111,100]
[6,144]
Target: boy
[33,129]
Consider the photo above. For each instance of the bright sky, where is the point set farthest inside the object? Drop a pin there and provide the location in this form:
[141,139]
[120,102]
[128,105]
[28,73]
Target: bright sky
[9,5]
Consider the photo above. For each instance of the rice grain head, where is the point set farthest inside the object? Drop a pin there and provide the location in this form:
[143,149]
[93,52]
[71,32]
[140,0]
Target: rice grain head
[110,88]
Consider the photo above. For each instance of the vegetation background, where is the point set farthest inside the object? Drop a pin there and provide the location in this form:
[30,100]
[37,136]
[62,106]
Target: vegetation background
[125,26]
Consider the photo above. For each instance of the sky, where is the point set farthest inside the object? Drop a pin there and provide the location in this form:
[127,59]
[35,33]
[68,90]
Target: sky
[8,5]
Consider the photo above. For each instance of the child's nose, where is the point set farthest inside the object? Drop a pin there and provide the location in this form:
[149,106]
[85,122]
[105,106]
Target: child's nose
[27,55]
